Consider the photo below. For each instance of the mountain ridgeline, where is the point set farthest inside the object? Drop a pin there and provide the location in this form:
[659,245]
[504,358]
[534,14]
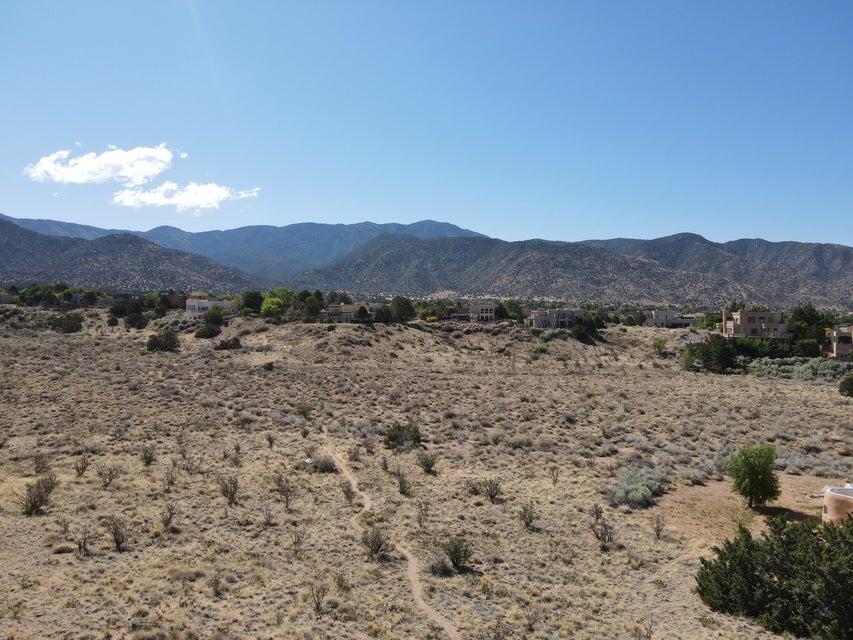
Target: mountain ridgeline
[272,253]
[118,262]
[431,258]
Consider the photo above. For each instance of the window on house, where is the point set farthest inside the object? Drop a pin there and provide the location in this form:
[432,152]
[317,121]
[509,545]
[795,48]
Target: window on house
[753,332]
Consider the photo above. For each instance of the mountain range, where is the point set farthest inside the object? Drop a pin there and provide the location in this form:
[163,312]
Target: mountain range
[274,253]
[431,257]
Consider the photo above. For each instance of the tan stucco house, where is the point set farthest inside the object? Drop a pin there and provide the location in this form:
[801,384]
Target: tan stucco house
[197,307]
[841,342]
[555,318]
[754,324]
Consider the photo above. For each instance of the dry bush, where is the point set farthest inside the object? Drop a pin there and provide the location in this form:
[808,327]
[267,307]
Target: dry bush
[318,590]
[229,487]
[377,542]
[284,488]
[148,455]
[491,488]
[528,516]
[41,463]
[36,495]
[427,462]
[167,516]
[118,530]
[81,465]
[107,473]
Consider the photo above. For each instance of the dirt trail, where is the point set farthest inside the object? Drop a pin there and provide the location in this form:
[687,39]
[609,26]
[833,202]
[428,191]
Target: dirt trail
[413,568]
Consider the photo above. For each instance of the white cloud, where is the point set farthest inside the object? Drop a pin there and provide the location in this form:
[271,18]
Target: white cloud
[190,196]
[133,167]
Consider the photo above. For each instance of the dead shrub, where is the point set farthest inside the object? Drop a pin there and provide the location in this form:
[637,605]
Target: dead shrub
[36,495]
[118,531]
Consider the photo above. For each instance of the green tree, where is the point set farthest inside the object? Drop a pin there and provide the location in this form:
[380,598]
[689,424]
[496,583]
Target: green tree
[845,387]
[402,309]
[135,321]
[751,468]
[383,314]
[807,348]
[272,307]
[253,300]
[797,578]
[215,316]
[312,309]
[716,354]
[807,323]
[514,311]
[285,294]
[362,314]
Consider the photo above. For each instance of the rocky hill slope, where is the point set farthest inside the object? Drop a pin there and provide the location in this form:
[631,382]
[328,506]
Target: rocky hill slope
[112,262]
[571,271]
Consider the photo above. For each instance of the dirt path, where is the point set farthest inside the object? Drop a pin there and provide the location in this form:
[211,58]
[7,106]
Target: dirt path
[413,568]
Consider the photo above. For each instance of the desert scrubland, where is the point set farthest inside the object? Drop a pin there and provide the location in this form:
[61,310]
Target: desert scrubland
[232,493]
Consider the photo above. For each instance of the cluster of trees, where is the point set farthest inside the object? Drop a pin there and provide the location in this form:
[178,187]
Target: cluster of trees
[283,304]
[54,295]
[797,578]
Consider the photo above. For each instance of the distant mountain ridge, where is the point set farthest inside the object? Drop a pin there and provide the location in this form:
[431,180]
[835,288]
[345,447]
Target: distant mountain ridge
[430,257]
[682,271]
[119,262]
[274,253]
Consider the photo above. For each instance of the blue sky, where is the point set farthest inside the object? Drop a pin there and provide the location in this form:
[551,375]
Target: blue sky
[558,120]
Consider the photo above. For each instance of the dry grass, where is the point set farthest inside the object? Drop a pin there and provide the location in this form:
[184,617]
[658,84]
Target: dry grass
[283,555]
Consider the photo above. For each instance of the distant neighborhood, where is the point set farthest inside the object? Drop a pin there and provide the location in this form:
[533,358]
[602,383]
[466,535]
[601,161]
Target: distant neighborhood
[802,331]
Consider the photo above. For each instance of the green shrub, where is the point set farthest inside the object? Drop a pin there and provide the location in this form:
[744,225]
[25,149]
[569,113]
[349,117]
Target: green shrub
[401,436]
[458,551]
[637,487]
[207,331]
[796,579]
[807,348]
[215,316]
[845,387]
[716,354]
[165,340]
[226,345]
[135,321]
[68,323]
[751,468]
[658,345]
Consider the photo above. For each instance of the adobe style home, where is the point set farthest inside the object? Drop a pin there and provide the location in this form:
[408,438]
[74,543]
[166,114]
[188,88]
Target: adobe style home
[555,318]
[841,342]
[481,312]
[672,319]
[347,313]
[197,307]
[754,324]
[837,503]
